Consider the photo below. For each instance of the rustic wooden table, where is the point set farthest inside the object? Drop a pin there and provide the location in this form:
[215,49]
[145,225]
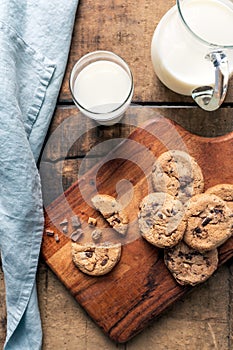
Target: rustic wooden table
[204,318]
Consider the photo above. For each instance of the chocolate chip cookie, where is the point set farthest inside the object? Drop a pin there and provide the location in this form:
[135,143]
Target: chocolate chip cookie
[224,191]
[209,222]
[95,260]
[177,173]
[112,211]
[189,266]
[161,219]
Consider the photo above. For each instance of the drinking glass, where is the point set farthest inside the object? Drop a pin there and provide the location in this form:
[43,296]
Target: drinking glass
[101,85]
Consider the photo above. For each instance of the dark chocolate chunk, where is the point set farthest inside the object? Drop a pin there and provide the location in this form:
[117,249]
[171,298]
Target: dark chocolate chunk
[96,235]
[92,182]
[76,235]
[57,239]
[75,221]
[154,205]
[49,233]
[206,221]
[104,262]
[216,211]
[173,212]
[197,230]
[149,222]
[160,215]
[64,222]
[89,254]
[185,180]
[117,220]
[180,254]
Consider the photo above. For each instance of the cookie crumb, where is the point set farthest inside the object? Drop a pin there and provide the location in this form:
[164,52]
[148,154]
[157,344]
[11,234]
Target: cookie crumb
[65,229]
[64,222]
[64,225]
[49,233]
[56,237]
[75,221]
[92,221]
[76,235]
[96,235]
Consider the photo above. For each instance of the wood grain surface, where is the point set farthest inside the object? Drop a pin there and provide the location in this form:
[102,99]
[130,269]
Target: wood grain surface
[140,287]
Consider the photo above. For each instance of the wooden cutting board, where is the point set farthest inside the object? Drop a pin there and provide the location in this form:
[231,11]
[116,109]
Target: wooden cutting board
[140,287]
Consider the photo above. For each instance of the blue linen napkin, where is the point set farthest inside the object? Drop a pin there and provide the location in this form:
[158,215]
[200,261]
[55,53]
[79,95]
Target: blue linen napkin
[34,45]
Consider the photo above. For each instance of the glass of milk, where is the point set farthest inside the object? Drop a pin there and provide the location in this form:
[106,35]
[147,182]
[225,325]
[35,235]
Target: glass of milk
[192,50]
[102,87]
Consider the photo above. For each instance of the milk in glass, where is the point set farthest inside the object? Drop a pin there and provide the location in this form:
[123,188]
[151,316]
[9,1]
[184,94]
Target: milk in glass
[102,87]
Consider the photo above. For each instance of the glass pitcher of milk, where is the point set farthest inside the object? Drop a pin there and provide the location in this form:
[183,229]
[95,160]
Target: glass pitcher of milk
[192,50]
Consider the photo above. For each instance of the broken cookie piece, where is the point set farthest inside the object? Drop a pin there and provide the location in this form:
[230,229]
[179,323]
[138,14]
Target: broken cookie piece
[112,211]
[95,260]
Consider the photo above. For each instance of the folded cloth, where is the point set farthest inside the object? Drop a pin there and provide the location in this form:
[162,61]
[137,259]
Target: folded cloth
[34,45]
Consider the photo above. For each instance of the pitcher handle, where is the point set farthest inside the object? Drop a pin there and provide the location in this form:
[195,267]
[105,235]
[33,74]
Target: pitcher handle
[207,97]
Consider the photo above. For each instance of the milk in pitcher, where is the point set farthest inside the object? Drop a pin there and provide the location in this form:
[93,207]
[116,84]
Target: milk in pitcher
[178,55]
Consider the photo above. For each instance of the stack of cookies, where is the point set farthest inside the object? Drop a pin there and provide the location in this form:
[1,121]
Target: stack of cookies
[187,222]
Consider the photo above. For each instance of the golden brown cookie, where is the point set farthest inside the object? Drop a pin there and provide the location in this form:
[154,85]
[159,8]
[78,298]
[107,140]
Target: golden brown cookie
[209,222]
[177,173]
[188,266]
[112,211]
[95,260]
[161,220]
[224,191]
